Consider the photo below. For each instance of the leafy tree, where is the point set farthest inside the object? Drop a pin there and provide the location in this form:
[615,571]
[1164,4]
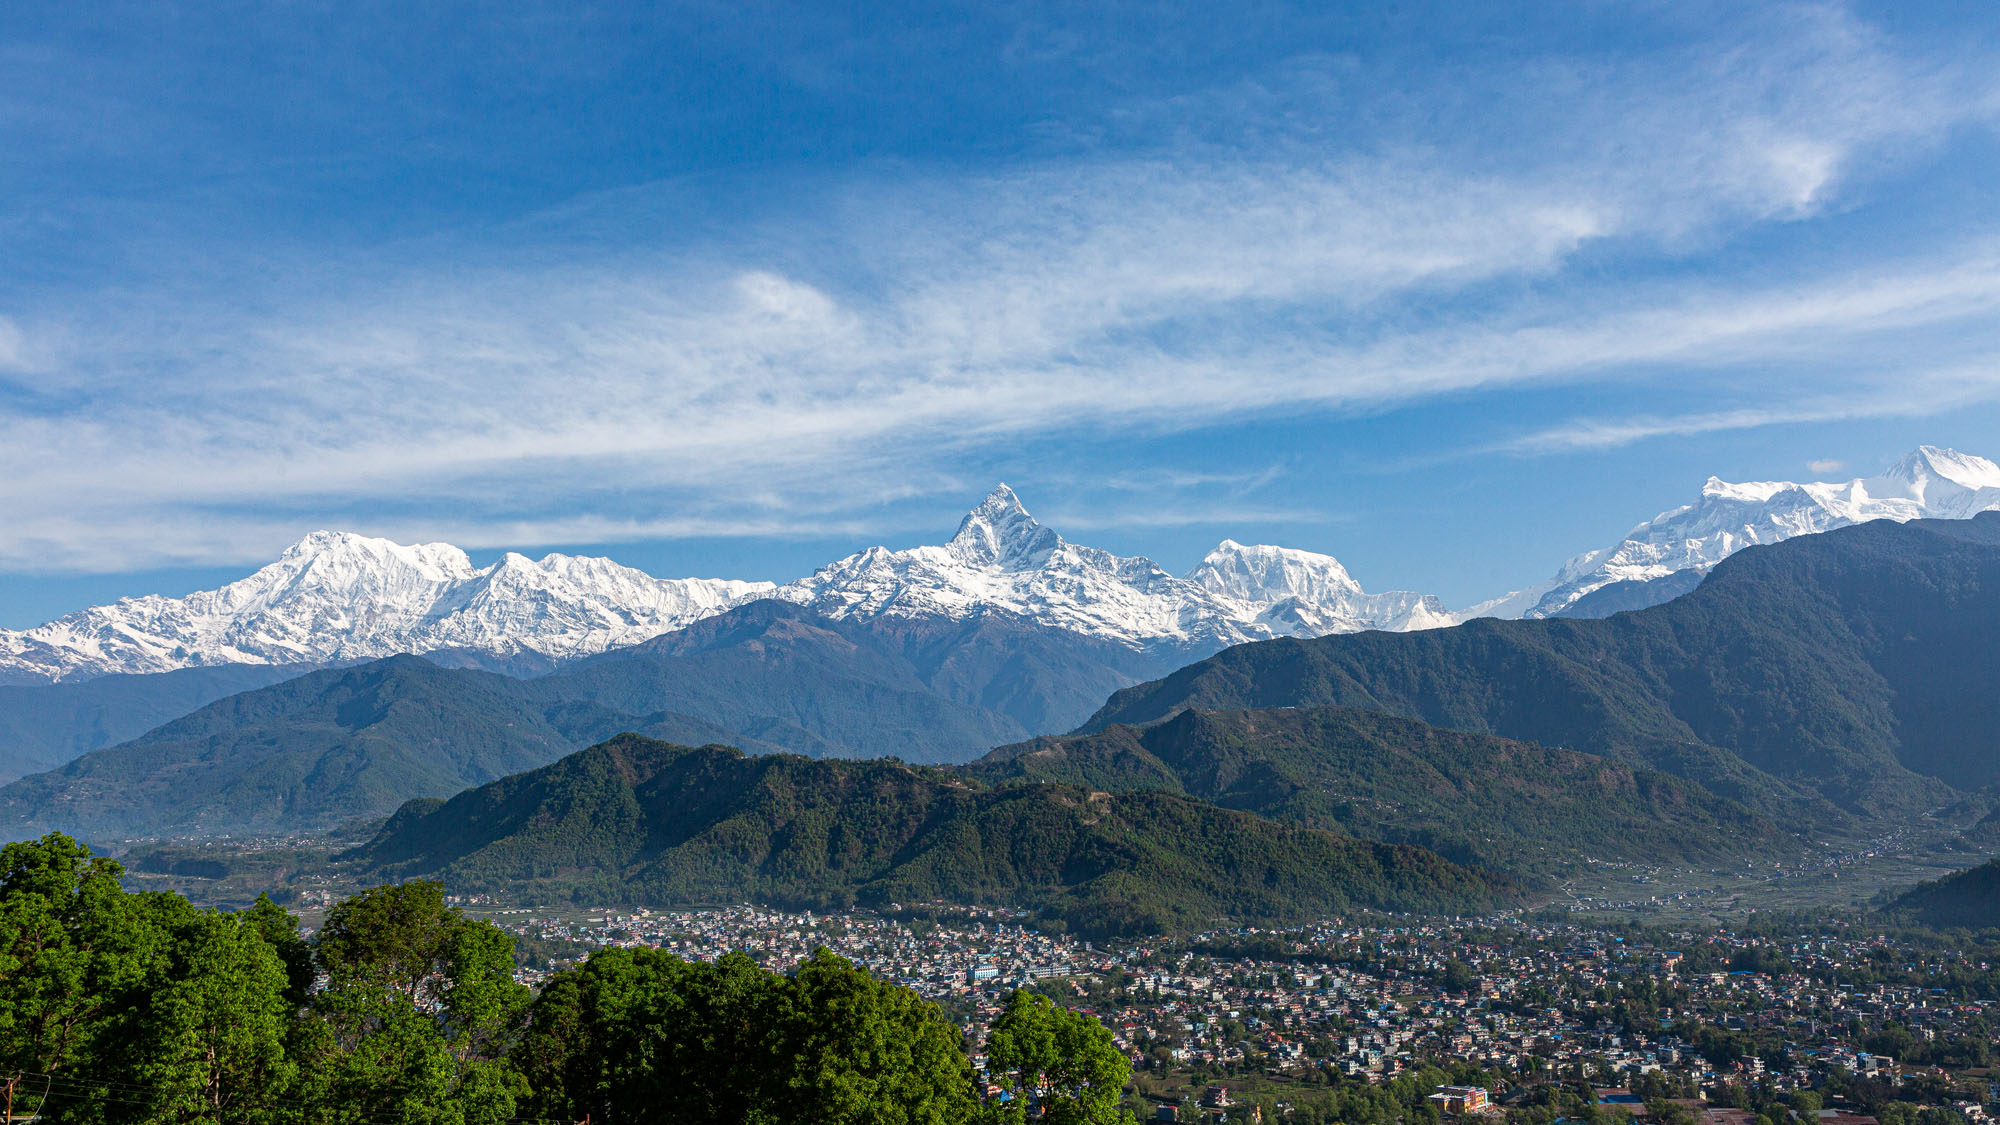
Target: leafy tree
[140,1007]
[637,1034]
[419,1005]
[208,1031]
[1062,1061]
[69,954]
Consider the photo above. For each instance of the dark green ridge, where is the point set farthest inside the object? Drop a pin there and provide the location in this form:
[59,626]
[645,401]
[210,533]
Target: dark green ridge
[638,821]
[1473,798]
[1860,666]
[1966,899]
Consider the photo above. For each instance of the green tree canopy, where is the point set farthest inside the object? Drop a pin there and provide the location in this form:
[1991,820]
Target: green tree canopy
[637,1034]
[1061,1061]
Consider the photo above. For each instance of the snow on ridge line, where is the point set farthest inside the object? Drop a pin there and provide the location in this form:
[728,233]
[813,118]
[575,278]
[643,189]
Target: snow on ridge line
[1928,483]
[1001,558]
[335,596]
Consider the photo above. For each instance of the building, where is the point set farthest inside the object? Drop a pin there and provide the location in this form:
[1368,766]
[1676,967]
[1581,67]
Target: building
[1459,1099]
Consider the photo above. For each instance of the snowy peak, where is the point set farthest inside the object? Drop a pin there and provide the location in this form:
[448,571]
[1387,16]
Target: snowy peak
[1930,482]
[1000,532]
[332,549]
[1002,559]
[1933,476]
[335,596]
[338,596]
[1272,574]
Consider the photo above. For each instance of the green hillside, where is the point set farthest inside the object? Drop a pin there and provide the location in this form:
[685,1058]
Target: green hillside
[332,746]
[639,821]
[1860,665]
[1473,798]
[1968,899]
[308,753]
[779,673]
[43,726]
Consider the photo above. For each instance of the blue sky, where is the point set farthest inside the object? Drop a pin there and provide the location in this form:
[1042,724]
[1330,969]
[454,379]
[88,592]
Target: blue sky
[1449,291]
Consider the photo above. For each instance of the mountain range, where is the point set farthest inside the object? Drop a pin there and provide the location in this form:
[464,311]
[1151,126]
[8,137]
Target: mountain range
[1665,556]
[1832,681]
[1858,667]
[336,597]
[320,749]
[1495,803]
[1803,686]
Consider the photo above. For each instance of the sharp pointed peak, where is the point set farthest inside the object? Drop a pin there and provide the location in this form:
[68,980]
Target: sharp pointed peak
[1000,501]
[1000,530]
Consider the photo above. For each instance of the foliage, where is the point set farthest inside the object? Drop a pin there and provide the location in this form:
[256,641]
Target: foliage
[1059,1062]
[138,1009]
[642,1035]
[1474,798]
[134,1007]
[635,820]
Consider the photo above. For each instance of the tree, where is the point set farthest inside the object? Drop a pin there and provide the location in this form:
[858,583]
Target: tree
[419,1007]
[139,1007]
[861,1052]
[1062,1061]
[69,953]
[207,1034]
[638,1034]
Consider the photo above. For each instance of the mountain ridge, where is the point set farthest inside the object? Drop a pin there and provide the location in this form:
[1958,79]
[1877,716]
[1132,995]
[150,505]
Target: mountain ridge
[1855,664]
[1928,483]
[336,597]
[1491,802]
[594,827]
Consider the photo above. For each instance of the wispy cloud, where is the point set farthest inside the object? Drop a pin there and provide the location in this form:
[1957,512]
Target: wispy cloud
[1900,393]
[836,353]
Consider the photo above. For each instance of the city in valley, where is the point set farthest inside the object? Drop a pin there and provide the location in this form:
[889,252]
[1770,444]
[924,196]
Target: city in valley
[1532,1019]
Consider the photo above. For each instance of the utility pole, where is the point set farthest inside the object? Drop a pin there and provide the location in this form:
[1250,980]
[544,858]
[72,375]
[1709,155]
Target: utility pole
[11,1083]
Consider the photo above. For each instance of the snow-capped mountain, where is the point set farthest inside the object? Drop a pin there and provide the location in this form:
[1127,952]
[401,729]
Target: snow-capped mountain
[1002,559]
[335,597]
[1929,483]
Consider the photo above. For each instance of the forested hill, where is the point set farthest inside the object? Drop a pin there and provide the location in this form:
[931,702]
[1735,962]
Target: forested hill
[634,820]
[1474,798]
[1968,899]
[1861,663]
[336,745]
